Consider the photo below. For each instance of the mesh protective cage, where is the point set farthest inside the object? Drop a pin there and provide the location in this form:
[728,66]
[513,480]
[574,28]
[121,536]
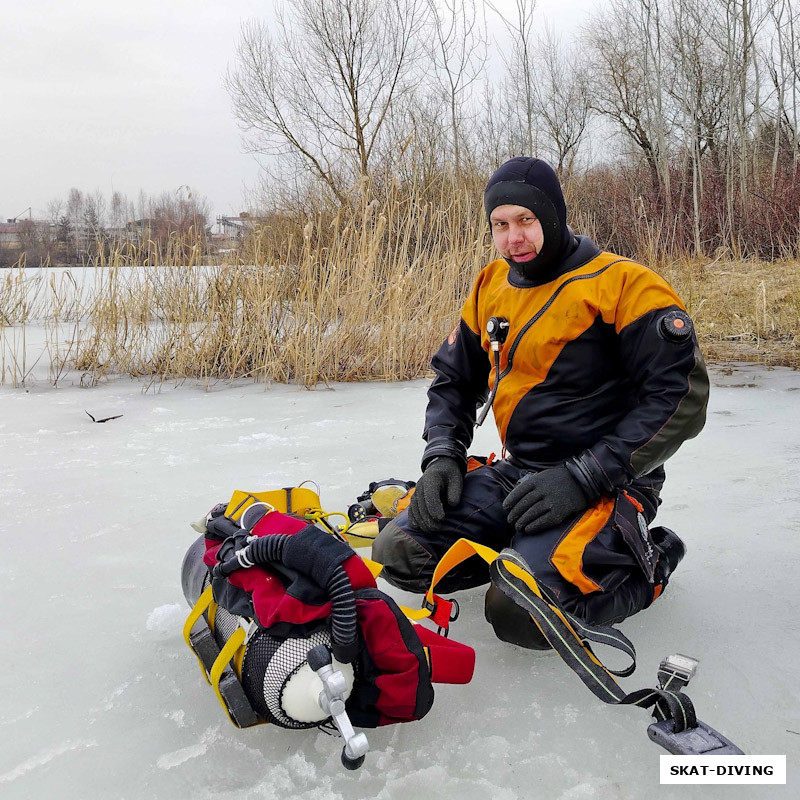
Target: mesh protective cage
[225,624]
[269,663]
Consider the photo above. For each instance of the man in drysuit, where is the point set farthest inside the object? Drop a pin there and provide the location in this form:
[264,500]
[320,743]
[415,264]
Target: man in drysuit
[596,379]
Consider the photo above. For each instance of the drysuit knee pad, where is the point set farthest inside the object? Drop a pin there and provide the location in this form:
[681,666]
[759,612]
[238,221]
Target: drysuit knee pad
[406,563]
[511,623]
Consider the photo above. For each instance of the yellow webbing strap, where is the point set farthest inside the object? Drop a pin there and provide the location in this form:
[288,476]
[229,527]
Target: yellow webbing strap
[296,500]
[463,549]
[223,659]
[199,608]
[458,552]
[547,610]
[373,566]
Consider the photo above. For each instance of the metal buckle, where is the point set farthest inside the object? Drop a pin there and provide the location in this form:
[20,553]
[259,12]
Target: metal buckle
[675,671]
[250,626]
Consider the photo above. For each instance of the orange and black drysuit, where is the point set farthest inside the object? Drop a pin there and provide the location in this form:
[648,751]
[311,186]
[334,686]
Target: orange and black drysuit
[593,371]
[601,372]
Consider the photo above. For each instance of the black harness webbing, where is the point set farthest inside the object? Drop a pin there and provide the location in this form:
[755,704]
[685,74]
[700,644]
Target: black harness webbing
[571,638]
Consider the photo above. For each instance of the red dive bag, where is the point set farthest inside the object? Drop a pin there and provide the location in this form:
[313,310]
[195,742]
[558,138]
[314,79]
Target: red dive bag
[300,587]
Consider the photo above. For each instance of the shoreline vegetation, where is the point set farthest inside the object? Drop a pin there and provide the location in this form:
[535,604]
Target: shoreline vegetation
[674,129]
[364,295]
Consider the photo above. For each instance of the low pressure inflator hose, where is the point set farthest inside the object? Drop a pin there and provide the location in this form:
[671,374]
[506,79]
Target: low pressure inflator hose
[497,331]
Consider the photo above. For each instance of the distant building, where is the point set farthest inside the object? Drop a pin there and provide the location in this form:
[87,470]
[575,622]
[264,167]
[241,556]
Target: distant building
[233,227]
[11,233]
[17,233]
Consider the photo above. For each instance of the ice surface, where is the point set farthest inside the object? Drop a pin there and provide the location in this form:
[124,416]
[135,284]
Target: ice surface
[102,699]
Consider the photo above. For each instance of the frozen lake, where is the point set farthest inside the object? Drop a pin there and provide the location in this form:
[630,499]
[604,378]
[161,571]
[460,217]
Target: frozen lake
[102,699]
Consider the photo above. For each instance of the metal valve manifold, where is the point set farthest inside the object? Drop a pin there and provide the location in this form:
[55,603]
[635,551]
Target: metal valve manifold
[331,701]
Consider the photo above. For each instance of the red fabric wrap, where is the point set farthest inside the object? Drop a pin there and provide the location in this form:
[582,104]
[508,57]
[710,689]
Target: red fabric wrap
[451,662]
[271,601]
[398,667]
[442,609]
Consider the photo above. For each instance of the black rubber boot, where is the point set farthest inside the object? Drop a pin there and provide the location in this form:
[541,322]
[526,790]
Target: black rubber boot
[671,549]
[511,623]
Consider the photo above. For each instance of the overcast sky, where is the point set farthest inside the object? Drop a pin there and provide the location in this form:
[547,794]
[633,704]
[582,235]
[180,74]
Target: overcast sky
[100,95]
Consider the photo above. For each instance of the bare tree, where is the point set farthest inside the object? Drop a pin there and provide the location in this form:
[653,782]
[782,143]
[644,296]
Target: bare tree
[75,205]
[519,66]
[792,49]
[458,53]
[181,213]
[650,27]
[95,213]
[699,90]
[421,127]
[623,43]
[780,58]
[121,211]
[562,100]
[320,89]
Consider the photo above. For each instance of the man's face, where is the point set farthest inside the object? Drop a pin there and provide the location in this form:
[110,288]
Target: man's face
[517,233]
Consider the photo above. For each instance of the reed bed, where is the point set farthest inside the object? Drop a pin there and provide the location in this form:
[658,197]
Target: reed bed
[743,310]
[365,293]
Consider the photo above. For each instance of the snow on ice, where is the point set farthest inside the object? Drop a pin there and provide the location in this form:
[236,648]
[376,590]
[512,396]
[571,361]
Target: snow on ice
[102,699]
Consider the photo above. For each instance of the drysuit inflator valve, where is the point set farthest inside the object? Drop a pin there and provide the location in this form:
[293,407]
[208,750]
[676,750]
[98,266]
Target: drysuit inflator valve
[331,701]
[497,331]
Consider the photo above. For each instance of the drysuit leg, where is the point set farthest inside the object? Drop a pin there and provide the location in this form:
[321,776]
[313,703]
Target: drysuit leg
[594,566]
[612,584]
[409,556]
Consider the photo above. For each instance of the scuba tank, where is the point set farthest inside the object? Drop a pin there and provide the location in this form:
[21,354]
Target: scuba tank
[277,680]
[291,629]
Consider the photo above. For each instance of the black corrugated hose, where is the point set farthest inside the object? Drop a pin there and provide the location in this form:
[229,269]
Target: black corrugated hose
[266,550]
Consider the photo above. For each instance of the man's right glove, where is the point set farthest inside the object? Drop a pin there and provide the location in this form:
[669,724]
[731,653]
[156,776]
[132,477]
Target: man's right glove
[442,480]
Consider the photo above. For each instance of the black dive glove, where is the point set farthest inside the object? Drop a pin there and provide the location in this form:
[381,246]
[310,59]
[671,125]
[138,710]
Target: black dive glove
[541,500]
[443,479]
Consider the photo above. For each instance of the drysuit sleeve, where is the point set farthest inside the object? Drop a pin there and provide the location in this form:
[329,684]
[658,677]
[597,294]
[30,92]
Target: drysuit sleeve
[462,369]
[659,350]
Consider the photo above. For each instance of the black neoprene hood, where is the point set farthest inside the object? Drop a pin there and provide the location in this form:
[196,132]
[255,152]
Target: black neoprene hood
[532,183]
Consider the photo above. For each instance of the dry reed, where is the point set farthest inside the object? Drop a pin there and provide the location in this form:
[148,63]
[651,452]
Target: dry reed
[367,293]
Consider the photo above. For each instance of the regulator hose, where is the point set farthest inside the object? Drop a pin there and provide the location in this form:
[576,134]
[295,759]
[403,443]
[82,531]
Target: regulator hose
[344,620]
[292,551]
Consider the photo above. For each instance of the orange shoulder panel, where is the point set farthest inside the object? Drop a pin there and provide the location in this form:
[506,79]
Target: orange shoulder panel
[609,286]
[637,290]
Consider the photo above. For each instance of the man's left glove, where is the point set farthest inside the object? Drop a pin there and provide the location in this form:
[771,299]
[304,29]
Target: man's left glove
[541,500]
